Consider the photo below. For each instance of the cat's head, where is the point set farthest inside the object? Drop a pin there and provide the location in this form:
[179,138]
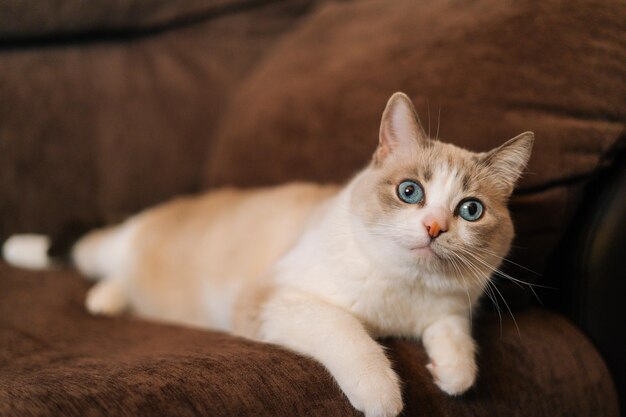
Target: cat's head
[434,207]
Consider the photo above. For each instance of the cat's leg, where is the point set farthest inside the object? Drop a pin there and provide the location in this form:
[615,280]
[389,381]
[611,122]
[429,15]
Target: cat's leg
[339,341]
[106,298]
[451,349]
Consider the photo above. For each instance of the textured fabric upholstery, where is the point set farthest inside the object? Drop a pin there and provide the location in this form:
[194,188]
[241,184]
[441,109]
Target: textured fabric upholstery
[55,359]
[107,107]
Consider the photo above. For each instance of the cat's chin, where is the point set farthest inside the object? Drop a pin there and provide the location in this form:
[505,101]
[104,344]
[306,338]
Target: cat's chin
[426,256]
[429,255]
[425,250]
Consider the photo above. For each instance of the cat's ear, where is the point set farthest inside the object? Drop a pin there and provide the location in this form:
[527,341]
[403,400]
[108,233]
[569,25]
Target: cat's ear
[506,162]
[400,130]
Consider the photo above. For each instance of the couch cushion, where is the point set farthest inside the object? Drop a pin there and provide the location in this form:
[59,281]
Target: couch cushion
[479,73]
[100,128]
[28,19]
[55,359]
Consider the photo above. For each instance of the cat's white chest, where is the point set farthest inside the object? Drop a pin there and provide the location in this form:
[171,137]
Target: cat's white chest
[388,308]
[393,307]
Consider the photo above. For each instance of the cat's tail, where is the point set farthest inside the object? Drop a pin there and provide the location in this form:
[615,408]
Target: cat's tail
[29,251]
[75,245]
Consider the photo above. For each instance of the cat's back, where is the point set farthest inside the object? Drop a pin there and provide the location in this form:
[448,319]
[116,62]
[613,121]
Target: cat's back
[228,231]
[229,208]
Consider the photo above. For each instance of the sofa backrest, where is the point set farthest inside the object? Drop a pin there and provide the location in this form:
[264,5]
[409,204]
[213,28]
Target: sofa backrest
[106,111]
[107,107]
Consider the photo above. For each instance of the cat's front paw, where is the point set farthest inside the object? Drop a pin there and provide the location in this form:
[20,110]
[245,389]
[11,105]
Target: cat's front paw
[454,378]
[105,298]
[377,394]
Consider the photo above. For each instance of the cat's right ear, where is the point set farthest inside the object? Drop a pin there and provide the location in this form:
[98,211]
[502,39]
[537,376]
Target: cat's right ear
[400,130]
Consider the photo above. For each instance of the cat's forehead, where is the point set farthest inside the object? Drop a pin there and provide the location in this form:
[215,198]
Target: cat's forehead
[446,161]
[444,165]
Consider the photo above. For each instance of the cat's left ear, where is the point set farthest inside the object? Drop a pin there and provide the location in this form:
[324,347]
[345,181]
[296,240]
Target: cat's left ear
[506,162]
[400,130]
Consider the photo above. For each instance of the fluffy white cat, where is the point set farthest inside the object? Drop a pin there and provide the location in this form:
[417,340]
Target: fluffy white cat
[405,248]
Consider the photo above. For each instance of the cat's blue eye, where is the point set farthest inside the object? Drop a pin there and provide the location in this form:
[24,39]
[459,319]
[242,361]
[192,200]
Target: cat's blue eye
[471,210]
[410,192]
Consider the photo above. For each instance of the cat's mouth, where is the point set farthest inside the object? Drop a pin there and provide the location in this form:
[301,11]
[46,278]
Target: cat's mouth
[423,250]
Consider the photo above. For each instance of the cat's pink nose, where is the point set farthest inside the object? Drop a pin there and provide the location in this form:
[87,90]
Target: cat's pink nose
[435,225]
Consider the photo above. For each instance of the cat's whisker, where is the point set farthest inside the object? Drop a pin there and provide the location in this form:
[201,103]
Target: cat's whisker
[510,311]
[505,259]
[428,106]
[519,282]
[477,275]
[458,271]
[493,298]
[438,120]
[469,298]
[499,273]
[481,275]
[476,258]
[502,274]
[491,286]
[488,287]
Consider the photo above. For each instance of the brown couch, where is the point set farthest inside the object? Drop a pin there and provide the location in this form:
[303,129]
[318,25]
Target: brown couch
[107,107]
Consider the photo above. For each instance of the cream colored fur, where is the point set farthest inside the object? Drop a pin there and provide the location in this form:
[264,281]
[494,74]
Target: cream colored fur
[325,270]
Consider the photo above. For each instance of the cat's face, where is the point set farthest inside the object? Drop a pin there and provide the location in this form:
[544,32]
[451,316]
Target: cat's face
[430,206]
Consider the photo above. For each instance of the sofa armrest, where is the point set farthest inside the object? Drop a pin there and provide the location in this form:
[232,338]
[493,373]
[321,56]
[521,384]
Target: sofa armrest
[590,265]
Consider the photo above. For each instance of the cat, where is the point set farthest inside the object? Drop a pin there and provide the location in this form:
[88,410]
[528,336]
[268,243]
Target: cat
[325,270]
